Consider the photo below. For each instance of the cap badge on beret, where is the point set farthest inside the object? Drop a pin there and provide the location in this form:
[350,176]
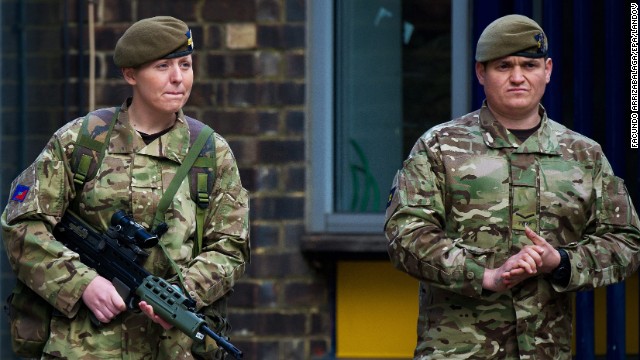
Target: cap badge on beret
[189,40]
[542,43]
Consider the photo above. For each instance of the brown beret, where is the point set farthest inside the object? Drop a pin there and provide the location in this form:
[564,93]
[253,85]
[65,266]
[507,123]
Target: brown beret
[160,37]
[511,35]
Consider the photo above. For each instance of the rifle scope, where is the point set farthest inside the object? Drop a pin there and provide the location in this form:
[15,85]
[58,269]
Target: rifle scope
[132,231]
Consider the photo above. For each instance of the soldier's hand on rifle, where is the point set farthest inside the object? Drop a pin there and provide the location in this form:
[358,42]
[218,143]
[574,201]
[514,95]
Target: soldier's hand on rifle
[103,300]
[148,310]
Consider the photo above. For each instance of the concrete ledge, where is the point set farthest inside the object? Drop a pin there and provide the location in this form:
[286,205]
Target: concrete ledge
[344,245]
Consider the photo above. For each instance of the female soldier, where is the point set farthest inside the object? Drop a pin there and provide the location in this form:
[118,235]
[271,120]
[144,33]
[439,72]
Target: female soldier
[149,141]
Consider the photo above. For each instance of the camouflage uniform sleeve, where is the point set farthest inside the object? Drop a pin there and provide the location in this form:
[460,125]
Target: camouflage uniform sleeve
[226,247]
[39,198]
[415,227]
[609,250]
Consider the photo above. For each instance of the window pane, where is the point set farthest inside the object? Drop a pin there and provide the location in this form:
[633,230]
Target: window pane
[392,83]
[426,66]
[368,102]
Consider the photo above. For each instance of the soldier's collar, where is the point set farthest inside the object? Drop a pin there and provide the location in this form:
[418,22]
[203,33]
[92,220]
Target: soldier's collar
[495,135]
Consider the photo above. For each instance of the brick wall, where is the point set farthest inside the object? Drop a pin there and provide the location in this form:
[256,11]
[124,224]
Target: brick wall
[250,86]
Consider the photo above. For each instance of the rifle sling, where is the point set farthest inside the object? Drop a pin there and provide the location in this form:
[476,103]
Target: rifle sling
[168,195]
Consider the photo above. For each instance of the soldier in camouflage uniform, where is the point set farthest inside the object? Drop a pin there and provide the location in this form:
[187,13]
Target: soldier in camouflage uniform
[148,143]
[502,214]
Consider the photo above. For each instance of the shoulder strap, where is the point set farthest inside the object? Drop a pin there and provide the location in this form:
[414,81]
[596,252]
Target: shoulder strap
[202,179]
[91,145]
[181,173]
[202,170]
[159,225]
[195,159]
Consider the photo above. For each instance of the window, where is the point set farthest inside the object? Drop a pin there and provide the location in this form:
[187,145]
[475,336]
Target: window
[379,76]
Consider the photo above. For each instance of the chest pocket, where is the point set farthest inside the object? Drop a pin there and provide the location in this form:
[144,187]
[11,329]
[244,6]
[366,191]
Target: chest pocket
[566,199]
[122,180]
[524,179]
[109,190]
[146,185]
[478,199]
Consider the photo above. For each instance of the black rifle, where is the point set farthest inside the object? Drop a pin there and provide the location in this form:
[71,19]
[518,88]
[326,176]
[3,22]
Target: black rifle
[118,255]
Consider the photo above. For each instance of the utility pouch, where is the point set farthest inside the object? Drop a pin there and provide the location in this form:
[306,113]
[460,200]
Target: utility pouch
[216,318]
[29,317]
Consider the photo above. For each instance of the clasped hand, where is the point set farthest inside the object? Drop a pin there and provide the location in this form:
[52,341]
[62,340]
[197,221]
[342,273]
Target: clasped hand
[102,298]
[530,261]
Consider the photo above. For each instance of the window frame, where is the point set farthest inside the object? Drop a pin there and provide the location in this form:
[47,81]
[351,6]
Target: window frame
[321,217]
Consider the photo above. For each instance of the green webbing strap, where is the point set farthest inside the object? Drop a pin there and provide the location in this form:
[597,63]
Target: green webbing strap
[81,174]
[167,197]
[85,140]
[203,200]
[182,172]
[202,195]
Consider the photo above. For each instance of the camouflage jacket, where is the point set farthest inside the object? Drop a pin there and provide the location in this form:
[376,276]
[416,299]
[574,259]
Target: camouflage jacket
[132,177]
[460,204]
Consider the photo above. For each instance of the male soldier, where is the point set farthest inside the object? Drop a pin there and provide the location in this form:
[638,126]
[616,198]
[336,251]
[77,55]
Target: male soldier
[503,213]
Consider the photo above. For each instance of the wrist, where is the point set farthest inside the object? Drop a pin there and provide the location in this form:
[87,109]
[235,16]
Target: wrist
[562,273]
[487,278]
[491,280]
